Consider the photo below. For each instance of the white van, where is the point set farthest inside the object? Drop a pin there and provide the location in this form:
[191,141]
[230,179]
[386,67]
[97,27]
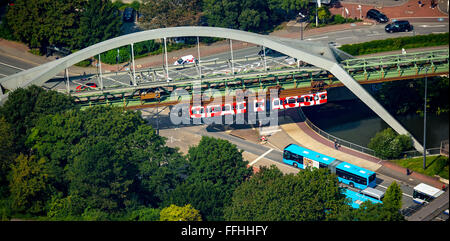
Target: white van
[188,59]
[424,193]
[373,193]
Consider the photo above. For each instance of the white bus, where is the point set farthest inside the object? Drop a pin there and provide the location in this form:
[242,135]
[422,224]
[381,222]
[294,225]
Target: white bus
[424,193]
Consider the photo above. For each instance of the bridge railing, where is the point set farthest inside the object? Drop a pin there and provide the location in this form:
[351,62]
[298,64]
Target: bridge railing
[356,147]
[332,138]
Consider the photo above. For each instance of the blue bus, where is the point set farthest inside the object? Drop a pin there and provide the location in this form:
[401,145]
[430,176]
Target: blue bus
[347,173]
[357,198]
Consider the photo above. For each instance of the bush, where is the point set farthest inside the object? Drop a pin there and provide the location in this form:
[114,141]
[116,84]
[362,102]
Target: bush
[145,214]
[84,63]
[396,44]
[388,145]
[440,164]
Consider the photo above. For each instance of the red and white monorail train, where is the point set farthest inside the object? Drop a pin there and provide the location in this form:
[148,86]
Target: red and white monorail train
[212,109]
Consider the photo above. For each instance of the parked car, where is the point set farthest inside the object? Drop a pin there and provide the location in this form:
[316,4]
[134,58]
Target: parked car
[85,87]
[188,59]
[128,14]
[399,26]
[377,16]
[268,52]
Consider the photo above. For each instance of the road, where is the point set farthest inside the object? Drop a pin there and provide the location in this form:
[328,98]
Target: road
[257,154]
[10,65]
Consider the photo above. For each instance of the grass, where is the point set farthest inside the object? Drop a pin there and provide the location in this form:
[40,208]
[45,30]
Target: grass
[435,165]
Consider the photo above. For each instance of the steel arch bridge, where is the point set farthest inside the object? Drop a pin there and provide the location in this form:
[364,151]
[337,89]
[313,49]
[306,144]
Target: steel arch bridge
[316,54]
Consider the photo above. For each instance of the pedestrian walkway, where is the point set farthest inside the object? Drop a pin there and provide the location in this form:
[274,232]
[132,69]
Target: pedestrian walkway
[301,133]
[392,9]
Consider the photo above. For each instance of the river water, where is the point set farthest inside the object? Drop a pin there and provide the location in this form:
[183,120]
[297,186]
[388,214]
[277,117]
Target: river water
[355,122]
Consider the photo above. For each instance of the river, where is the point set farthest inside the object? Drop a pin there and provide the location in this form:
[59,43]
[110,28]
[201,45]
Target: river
[353,121]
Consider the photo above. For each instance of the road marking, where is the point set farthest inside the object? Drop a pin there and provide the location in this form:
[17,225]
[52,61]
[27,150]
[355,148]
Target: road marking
[274,146]
[260,157]
[344,37]
[14,67]
[374,34]
[432,26]
[402,193]
[324,37]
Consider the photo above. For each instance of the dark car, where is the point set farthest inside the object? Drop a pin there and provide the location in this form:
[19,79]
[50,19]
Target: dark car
[128,14]
[268,52]
[377,16]
[399,26]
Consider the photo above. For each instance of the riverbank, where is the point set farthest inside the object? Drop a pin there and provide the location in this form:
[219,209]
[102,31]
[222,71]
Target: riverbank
[353,121]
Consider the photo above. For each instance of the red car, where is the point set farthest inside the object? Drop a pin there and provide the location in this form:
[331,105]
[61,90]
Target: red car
[84,87]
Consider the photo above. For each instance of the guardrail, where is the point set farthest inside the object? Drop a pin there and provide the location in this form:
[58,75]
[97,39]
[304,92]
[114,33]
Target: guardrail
[353,146]
[332,138]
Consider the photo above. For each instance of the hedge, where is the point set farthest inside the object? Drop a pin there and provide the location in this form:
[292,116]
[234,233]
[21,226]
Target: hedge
[391,44]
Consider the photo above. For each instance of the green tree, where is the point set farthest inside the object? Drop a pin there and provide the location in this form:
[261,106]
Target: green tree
[109,158]
[6,155]
[176,213]
[40,23]
[389,210]
[29,184]
[26,105]
[216,168]
[392,203]
[310,195]
[249,15]
[170,13]
[99,20]
[324,15]
[388,144]
[145,214]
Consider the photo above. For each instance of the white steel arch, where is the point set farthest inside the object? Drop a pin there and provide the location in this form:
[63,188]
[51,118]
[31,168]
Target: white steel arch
[312,53]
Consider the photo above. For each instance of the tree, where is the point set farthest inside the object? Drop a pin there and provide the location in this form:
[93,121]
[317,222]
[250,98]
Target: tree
[323,13]
[6,155]
[28,184]
[26,105]
[145,214]
[310,195]
[41,23]
[392,203]
[176,213]
[388,144]
[389,210]
[99,20]
[170,13]
[215,169]
[108,158]
[73,24]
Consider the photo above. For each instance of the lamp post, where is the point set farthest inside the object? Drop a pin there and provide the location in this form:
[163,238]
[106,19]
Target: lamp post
[301,27]
[317,17]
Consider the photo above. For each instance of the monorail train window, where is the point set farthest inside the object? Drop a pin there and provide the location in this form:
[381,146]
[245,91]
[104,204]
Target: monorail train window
[226,108]
[259,104]
[291,100]
[316,97]
[276,102]
[216,109]
[241,106]
[323,96]
[302,99]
